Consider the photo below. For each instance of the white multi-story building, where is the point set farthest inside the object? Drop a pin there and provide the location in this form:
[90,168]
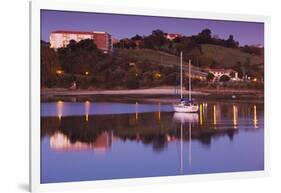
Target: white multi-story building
[60,39]
[172,36]
[228,72]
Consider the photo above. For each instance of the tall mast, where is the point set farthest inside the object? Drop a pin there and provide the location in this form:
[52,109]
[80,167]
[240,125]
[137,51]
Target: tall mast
[189,77]
[181,73]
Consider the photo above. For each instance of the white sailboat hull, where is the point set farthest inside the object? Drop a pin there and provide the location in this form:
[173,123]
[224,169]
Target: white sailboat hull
[186,108]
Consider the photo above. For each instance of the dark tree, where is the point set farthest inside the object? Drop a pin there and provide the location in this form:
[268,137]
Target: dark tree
[224,78]
[231,43]
[210,76]
[136,37]
[49,65]
[77,58]
[156,40]
[204,37]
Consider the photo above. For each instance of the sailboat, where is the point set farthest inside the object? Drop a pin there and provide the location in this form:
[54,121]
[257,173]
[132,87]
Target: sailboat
[185,105]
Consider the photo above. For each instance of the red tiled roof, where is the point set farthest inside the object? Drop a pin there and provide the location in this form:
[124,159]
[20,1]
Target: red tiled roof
[222,70]
[173,34]
[73,32]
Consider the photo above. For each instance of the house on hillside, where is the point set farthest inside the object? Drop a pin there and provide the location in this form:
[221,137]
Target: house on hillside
[218,73]
[172,36]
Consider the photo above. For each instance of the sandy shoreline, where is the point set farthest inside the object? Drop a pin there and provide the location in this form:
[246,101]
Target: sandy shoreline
[150,91]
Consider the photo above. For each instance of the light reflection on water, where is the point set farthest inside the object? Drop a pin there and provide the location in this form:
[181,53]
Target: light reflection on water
[92,141]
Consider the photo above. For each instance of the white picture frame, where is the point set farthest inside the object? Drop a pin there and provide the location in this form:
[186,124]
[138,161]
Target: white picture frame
[86,6]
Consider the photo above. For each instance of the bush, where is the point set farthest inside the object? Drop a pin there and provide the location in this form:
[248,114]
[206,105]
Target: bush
[83,82]
[224,78]
[65,81]
[210,76]
[132,84]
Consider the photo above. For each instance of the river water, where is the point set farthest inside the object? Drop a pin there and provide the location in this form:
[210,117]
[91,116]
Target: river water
[109,140]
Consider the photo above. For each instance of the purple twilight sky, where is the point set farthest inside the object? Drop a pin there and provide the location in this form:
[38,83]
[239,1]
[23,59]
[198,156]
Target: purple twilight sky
[122,26]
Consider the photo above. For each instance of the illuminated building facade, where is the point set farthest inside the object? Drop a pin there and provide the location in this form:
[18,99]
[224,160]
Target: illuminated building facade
[60,39]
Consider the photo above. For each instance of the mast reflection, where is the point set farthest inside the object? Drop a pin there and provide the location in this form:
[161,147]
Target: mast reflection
[184,118]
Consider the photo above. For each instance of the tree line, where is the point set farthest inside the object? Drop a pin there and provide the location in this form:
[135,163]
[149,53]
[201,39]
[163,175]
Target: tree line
[157,40]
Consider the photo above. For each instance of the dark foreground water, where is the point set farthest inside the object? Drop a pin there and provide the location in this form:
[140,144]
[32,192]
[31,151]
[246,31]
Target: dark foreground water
[95,141]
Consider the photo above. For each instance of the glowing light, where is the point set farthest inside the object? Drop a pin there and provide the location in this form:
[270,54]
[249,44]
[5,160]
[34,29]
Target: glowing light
[86,73]
[235,116]
[255,117]
[59,72]
[158,75]
[215,115]
[255,79]
[201,116]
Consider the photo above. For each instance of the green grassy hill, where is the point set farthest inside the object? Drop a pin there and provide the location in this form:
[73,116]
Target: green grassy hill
[157,58]
[153,56]
[228,56]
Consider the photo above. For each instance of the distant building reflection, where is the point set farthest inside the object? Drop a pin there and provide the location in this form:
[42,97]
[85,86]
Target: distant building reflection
[61,142]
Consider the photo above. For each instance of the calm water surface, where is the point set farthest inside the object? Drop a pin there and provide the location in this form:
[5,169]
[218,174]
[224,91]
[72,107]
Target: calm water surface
[95,141]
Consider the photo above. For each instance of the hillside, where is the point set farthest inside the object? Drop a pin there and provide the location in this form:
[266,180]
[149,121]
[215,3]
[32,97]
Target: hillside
[157,58]
[228,57]
[153,56]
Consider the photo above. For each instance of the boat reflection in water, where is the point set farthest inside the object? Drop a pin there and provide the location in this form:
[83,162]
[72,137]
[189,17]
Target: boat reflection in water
[94,141]
[185,119]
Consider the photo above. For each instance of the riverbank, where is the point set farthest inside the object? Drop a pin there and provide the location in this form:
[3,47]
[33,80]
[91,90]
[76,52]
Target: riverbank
[151,94]
[148,91]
